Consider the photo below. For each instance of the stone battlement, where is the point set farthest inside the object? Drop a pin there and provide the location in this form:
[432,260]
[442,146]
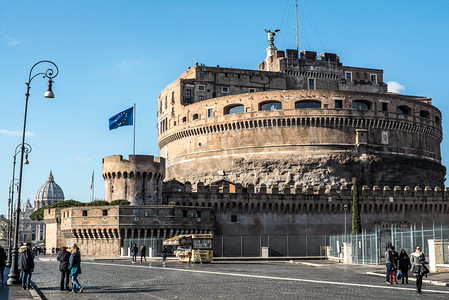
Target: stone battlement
[344,190]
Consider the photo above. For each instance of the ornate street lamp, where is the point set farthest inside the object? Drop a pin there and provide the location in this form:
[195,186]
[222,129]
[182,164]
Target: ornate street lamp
[50,74]
[14,182]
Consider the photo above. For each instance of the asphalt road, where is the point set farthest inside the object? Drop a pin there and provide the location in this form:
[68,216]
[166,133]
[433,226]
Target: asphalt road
[122,280]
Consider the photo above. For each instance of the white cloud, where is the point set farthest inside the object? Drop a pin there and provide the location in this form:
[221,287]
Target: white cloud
[395,87]
[127,65]
[15,132]
[12,41]
[83,160]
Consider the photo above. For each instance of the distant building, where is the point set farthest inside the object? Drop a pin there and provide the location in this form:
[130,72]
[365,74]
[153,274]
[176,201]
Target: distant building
[49,193]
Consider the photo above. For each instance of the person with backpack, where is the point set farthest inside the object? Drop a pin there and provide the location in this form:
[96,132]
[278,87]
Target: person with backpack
[63,258]
[143,253]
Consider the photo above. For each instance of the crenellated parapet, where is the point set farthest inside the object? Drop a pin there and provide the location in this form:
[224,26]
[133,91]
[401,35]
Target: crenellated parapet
[137,179]
[286,199]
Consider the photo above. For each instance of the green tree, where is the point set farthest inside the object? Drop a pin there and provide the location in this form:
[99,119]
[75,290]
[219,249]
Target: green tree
[38,214]
[120,202]
[356,223]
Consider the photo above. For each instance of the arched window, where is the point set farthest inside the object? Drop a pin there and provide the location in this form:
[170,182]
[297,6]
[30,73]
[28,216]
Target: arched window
[437,119]
[234,109]
[272,105]
[195,117]
[361,105]
[403,110]
[184,119]
[424,114]
[307,104]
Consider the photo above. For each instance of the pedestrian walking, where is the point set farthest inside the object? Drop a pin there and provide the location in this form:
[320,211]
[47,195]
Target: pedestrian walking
[143,253]
[64,258]
[75,269]
[2,265]
[164,256]
[419,268]
[134,251]
[404,265]
[388,258]
[26,265]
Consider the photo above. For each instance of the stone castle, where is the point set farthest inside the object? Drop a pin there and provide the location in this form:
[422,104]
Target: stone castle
[271,152]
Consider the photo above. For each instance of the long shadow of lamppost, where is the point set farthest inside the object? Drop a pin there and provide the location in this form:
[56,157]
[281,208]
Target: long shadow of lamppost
[50,74]
[14,182]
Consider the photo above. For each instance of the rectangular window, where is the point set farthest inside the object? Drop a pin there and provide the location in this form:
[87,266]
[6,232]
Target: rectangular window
[184,213]
[373,78]
[198,214]
[188,94]
[165,104]
[384,106]
[84,213]
[338,104]
[348,76]
[233,218]
[209,112]
[105,212]
[201,75]
[226,75]
[201,88]
[172,97]
[225,89]
[200,98]
[311,83]
[252,90]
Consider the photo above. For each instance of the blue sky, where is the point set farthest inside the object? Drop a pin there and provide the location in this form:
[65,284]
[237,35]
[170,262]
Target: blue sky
[112,54]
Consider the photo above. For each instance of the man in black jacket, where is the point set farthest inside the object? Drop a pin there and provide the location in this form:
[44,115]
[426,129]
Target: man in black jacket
[63,258]
[26,265]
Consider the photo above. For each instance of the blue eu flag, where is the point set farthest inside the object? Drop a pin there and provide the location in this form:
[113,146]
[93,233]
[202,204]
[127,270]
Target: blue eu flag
[124,118]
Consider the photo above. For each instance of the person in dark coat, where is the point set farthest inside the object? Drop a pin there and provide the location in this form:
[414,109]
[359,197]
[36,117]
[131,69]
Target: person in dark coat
[75,269]
[419,268]
[26,265]
[2,264]
[143,253]
[134,252]
[404,265]
[63,258]
[164,255]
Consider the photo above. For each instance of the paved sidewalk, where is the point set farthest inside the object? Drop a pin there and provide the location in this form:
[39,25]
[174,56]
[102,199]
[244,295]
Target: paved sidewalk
[15,292]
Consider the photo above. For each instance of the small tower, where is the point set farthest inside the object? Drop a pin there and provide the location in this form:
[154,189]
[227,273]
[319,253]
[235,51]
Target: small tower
[138,179]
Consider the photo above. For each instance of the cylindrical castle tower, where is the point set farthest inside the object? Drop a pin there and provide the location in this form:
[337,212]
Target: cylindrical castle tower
[138,179]
[306,137]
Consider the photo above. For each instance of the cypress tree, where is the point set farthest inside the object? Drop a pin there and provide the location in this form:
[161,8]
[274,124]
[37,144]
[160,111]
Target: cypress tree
[356,223]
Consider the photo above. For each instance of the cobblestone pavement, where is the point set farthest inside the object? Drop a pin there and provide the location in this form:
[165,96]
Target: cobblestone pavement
[227,280]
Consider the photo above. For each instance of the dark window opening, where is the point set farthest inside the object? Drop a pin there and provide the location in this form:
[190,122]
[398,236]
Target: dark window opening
[307,104]
[384,106]
[105,212]
[84,213]
[184,213]
[233,218]
[338,104]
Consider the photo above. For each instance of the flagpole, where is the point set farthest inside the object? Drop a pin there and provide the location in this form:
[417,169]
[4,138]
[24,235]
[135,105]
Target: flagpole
[93,186]
[134,137]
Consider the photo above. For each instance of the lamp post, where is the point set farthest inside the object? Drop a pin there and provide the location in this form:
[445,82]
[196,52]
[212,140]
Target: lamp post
[12,185]
[345,207]
[27,149]
[50,74]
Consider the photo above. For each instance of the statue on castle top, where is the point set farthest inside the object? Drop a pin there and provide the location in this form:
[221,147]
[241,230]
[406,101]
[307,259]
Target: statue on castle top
[271,37]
